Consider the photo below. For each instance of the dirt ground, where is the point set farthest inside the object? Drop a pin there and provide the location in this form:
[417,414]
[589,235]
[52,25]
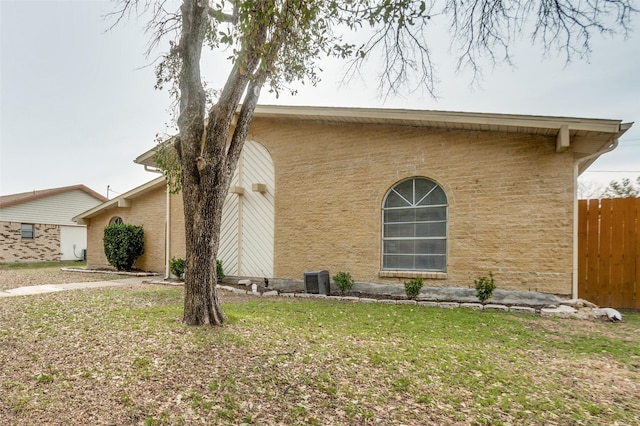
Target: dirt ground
[22,277]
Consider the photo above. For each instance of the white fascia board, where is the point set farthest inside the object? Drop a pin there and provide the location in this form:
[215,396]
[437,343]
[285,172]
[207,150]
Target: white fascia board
[123,200]
[461,118]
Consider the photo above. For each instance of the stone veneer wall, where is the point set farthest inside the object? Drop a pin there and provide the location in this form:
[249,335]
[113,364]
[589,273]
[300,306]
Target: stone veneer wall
[45,246]
[510,200]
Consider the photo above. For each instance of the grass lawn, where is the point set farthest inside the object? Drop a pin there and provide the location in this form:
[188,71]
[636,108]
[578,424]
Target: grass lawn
[122,356]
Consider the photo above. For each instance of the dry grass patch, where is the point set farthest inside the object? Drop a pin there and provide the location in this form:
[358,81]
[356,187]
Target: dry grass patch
[121,356]
[14,275]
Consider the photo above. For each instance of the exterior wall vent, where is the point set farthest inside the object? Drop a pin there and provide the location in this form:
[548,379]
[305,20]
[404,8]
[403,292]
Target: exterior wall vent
[317,282]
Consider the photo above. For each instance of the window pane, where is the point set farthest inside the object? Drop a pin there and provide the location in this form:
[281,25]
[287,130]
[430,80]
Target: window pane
[399,247]
[117,220]
[431,263]
[440,263]
[423,186]
[435,229]
[398,262]
[400,215]
[27,231]
[406,190]
[424,214]
[431,246]
[400,230]
[436,196]
[394,200]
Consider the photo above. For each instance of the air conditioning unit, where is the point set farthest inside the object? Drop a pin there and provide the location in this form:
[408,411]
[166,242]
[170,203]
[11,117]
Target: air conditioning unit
[317,282]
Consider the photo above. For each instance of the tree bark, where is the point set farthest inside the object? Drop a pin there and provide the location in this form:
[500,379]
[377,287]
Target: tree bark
[203,189]
[203,216]
[208,162]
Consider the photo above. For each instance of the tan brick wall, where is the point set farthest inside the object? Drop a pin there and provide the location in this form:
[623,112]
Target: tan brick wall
[510,200]
[510,203]
[147,210]
[45,246]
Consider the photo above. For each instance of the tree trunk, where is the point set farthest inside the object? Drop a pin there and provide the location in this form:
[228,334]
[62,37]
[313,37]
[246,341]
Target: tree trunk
[204,186]
[209,154]
[203,217]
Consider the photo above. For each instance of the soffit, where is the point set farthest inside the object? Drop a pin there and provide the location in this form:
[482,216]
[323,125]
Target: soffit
[587,135]
[511,123]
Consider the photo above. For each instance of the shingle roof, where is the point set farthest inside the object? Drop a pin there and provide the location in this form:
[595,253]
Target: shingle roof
[24,197]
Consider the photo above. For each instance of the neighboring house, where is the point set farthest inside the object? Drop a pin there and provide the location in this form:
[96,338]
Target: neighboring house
[388,195]
[38,225]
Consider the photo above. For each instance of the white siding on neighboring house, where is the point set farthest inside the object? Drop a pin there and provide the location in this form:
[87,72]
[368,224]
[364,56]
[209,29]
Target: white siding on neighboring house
[56,209]
[73,240]
[49,213]
[246,243]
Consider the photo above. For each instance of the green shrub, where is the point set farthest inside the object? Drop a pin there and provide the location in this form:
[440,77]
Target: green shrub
[176,266]
[413,287]
[219,271]
[344,281]
[123,244]
[484,287]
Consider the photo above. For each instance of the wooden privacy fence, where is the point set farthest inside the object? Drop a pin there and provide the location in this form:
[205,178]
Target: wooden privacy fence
[609,252]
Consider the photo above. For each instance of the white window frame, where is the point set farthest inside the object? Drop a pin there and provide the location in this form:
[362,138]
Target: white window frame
[434,272]
[116,220]
[32,231]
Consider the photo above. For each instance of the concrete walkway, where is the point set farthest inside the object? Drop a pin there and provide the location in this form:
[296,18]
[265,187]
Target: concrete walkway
[52,288]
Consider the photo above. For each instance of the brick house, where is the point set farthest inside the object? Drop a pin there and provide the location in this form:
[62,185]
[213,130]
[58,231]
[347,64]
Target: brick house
[37,225]
[388,195]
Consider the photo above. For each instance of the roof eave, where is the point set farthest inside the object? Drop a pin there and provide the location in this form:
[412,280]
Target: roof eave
[427,118]
[585,163]
[37,195]
[123,200]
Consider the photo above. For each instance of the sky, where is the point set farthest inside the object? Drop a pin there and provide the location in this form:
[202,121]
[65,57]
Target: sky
[78,104]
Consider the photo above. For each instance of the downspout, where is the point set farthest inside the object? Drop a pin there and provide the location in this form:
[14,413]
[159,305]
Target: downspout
[167,250]
[576,173]
[167,239]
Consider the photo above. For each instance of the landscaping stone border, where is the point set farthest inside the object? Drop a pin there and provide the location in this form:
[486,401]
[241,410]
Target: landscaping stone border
[110,271]
[546,305]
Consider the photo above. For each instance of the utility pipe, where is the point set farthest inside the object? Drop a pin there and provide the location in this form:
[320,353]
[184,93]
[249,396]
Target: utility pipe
[167,250]
[167,239]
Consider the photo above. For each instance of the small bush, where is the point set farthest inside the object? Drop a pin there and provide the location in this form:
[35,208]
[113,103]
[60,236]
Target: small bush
[485,287]
[344,281]
[219,271]
[123,244]
[413,287]
[176,266]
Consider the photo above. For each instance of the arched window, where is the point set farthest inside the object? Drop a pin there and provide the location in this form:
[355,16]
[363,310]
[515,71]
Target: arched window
[414,227]
[116,220]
